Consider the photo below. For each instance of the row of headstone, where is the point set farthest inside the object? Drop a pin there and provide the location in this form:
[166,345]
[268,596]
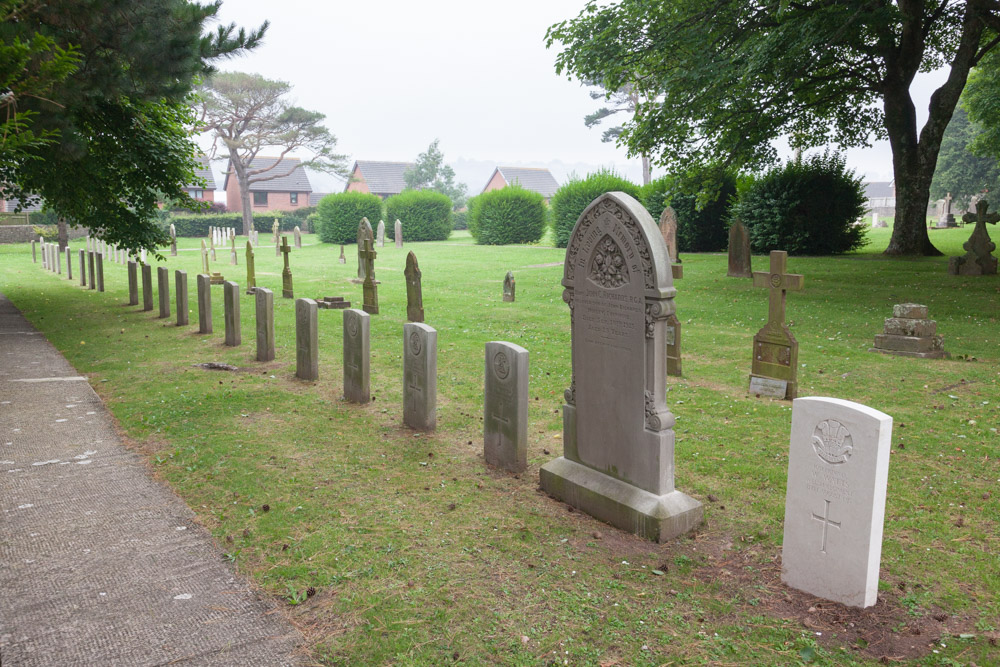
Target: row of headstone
[219,236]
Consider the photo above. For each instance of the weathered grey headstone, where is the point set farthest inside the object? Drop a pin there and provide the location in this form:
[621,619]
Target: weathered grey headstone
[618,438]
[908,333]
[342,258]
[204,303]
[83,268]
[739,251]
[306,339]
[364,232]
[92,270]
[509,287]
[775,365]
[147,287]
[231,315]
[505,412]
[34,252]
[380,234]
[370,288]
[876,223]
[946,219]
[668,228]
[69,263]
[251,270]
[978,259]
[173,240]
[414,291]
[419,376]
[163,290]
[297,234]
[357,353]
[45,254]
[265,324]
[286,273]
[181,291]
[58,256]
[232,251]
[838,468]
[398,234]
[275,230]
[205,268]
[211,245]
[133,283]
[99,260]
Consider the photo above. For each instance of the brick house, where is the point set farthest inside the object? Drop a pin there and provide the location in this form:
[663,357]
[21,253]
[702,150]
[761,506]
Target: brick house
[379,178]
[202,192]
[286,192]
[530,178]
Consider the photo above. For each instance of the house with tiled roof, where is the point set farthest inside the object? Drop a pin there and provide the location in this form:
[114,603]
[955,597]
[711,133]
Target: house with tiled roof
[198,191]
[881,197]
[379,178]
[286,187]
[536,179]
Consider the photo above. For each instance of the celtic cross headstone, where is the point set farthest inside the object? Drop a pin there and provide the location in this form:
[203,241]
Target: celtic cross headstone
[774,370]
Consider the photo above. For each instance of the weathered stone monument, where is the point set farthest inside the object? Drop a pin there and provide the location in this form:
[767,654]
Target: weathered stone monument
[231,312]
[509,287]
[370,288]
[69,264]
[306,339]
[364,232]
[380,234]
[342,259]
[265,324]
[668,228]
[908,333]
[618,438]
[297,235]
[946,219]
[505,406]
[978,259]
[419,376]
[92,269]
[673,334]
[232,251]
[204,303]
[83,268]
[181,292]
[147,287]
[275,232]
[838,468]
[251,270]
[398,234]
[286,273]
[211,246]
[163,290]
[99,261]
[739,251]
[876,223]
[173,240]
[34,251]
[357,353]
[133,283]
[774,370]
[332,303]
[414,291]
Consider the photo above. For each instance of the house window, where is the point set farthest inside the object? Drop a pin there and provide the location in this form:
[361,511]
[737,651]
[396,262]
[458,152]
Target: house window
[295,198]
[197,194]
[260,199]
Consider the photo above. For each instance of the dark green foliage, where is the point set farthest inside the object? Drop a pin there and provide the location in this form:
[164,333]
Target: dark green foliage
[299,217]
[655,196]
[807,207]
[701,199]
[341,213]
[959,171]
[196,225]
[509,215]
[461,218]
[425,214]
[570,201]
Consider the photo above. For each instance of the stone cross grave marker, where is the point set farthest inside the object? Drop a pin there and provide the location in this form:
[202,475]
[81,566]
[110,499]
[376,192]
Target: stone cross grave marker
[204,259]
[297,235]
[739,251]
[163,290]
[181,292]
[173,240]
[286,273]
[211,246]
[306,339]
[398,234]
[774,370]
[133,283]
[838,468]
[204,303]
[414,293]
[357,353]
[342,258]
[364,232]
[978,259]
[419,376]
[147,287]
[275,232]
[370,288]
[264,306]
[251,270]
[380,234]
[618,438]
[946,219]
[509,286]
[231,312]
[668,228]
[232,251]
[505,406]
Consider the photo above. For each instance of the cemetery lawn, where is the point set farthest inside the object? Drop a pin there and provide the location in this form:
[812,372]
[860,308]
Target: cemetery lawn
[390,547]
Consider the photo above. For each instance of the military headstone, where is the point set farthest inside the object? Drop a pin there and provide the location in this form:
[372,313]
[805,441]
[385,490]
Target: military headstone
[204,303]
[297,234]
[133,283]
[414,292]
[398,234]
[668,228]
[370,288]
[419,376]
[147,287]
[357,352]
[286,273]
[83,268]
[173,240]
[306,339]
[92,269]
[69,263]
[838,468]
[265,324]
[380,234]
[978,259]
[739,251]
[57,253]
[181,292]
[231,312]
[774,370]
[618,438]
[509,287]
[251,270]
[505,411]
[163,290]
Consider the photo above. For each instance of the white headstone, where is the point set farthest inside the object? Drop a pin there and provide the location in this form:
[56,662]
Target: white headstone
[838,467]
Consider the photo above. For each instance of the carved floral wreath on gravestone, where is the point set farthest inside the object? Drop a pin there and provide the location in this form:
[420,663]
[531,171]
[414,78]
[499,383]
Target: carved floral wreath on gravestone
[607,266]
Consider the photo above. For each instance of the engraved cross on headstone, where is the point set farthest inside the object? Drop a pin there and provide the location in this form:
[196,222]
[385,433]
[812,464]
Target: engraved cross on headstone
[825,520]
[415,389]
[285,249]
[779,283]
[368,256]
[499,418]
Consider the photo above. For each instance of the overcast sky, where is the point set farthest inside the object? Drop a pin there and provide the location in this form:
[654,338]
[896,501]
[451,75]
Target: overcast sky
[393,75]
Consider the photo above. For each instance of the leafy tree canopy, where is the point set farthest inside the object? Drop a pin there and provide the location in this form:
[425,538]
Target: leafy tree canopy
[431,173]
[982,100]
[959,171]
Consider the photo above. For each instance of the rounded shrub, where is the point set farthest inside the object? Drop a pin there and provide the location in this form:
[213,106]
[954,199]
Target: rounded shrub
[701,200]
[425,214]
[574,197]
[806,207]
[509,215]
[339,214]
[461,218]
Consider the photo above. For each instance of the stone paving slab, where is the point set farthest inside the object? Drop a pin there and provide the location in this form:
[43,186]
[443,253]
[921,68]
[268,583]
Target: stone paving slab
[100,564]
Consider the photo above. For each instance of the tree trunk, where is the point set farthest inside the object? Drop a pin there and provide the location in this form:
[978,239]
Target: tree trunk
[63,234]
[244,182]
[646,175]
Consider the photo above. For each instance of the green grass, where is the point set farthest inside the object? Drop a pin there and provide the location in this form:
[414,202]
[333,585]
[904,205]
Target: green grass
[419,553]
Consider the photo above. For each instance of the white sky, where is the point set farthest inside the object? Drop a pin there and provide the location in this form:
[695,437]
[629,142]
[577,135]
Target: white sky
[393,75]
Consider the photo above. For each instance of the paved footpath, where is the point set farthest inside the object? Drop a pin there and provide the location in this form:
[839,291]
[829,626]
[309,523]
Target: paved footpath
[100,564]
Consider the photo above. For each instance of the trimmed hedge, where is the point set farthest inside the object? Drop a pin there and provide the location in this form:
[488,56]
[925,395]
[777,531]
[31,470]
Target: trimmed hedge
[572,199]
[426,215]
[197,225]
[340,214]
[509,215]
[461,218]
[702,226]
[806,207]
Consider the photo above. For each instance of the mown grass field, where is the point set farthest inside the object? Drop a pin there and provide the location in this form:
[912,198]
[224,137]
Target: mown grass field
[391,547]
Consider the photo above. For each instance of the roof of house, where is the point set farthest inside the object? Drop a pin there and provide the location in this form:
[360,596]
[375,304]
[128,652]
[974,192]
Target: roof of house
[203,170]
[536,179]
[314,197]
[297,181]
[382,177]
[34,205]
[877,189]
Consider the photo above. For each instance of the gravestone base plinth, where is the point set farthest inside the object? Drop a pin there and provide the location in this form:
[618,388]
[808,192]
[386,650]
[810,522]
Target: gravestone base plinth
[657,518]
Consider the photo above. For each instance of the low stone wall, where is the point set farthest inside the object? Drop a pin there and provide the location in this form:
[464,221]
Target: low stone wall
[24,233]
